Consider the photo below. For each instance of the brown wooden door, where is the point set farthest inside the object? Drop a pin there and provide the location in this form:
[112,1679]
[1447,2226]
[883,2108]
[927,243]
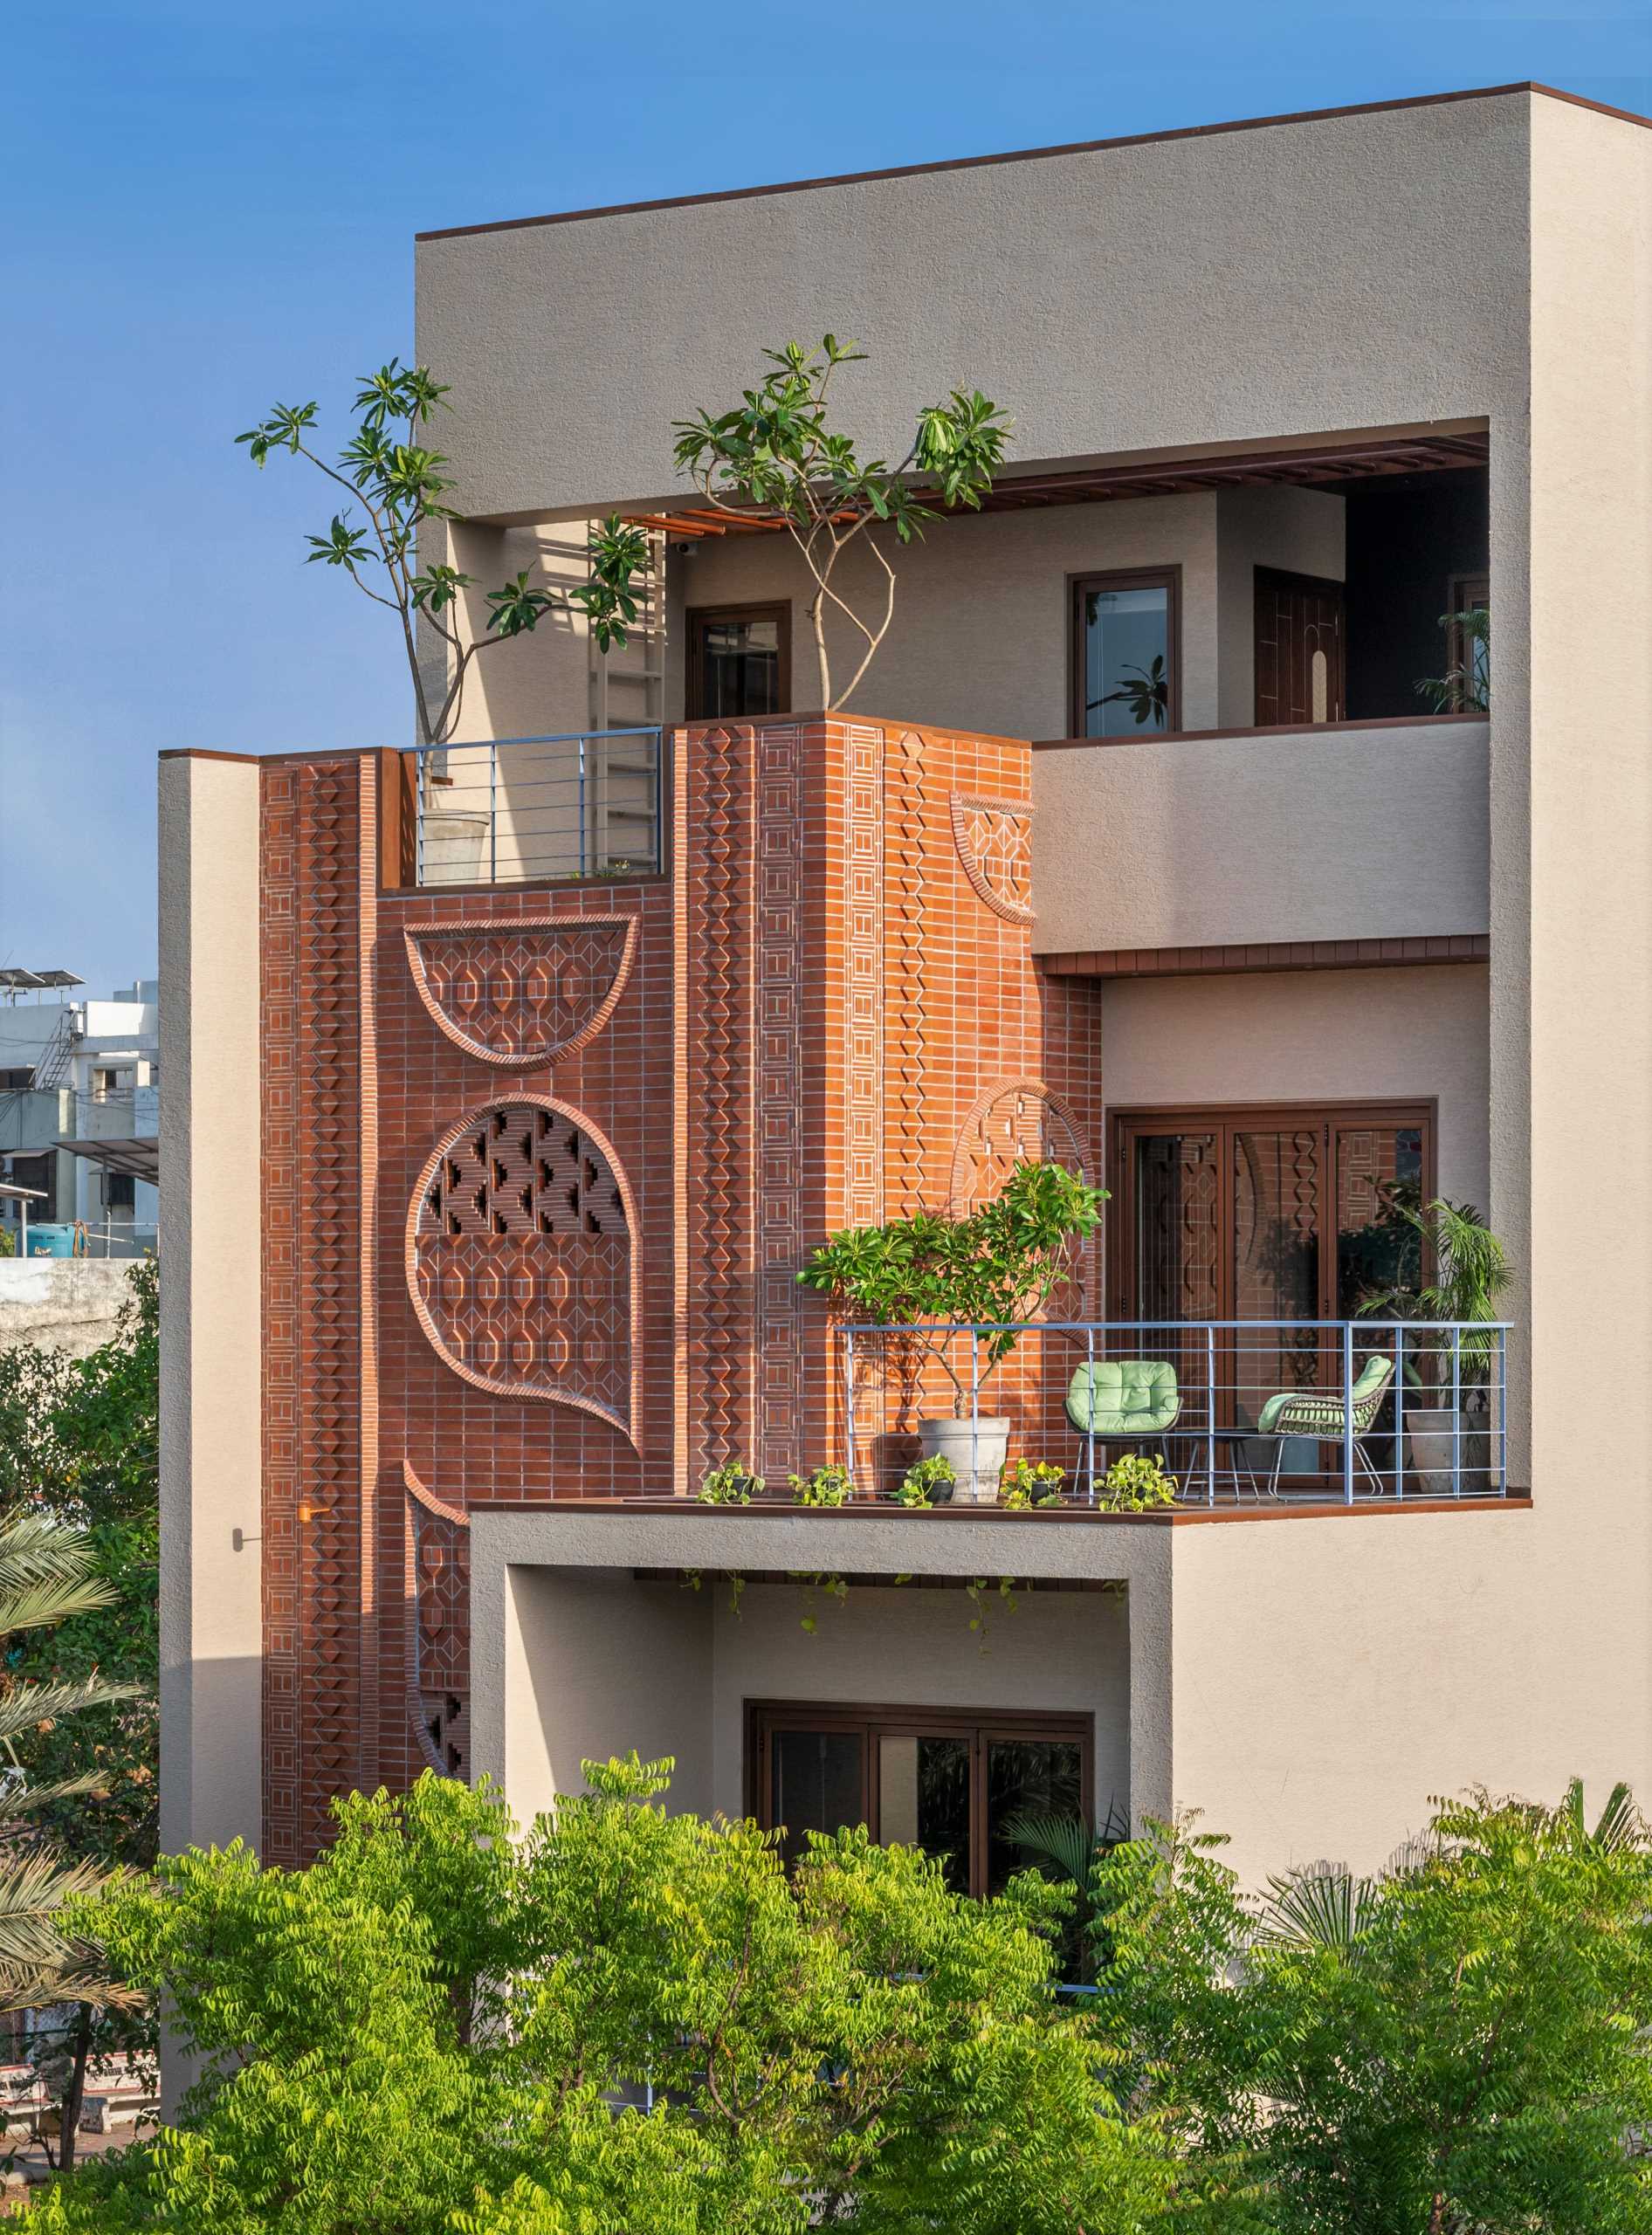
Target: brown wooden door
[1301,630]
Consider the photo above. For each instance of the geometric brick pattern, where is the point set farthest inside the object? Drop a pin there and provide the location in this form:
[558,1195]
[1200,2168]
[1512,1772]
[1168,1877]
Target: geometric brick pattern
[438,1588]
[1017,1122]
[994,838]
[526,991]
[520,1258]
[310,1021]
[813,1019]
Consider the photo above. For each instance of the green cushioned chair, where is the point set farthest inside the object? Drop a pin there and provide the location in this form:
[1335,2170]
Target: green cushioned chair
[1319,1412]
[1123,1400]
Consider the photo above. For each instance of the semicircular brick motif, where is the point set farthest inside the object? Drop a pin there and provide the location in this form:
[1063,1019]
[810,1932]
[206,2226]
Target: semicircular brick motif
[1019,1121]
[995,844]
[521,1260]
[527,989]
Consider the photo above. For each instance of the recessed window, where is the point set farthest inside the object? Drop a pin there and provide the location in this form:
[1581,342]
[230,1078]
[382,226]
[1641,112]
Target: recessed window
[1126,654]
[948,1782]
[738,661]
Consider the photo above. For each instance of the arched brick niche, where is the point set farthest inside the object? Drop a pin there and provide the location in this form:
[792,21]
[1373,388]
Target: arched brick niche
[522,1260]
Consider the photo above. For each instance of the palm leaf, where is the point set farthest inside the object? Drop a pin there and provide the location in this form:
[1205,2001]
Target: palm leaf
[42,1603]
[23,1799]
[1316,1908]
[1620,1829]
[33,1888]
[30,1702]
[1065,1842]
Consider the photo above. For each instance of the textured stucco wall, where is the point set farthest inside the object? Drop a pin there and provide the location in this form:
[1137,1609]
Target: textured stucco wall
[1335,1036]
[1208,841]
[211,1609]
[1242,285]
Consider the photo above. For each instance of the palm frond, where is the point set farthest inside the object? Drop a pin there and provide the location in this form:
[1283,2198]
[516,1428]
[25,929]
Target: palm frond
[42,1604]
[1316,1908]
[77,1979]
[23,1799]
[1065,1842]
[1621,1829]
[33,1888]
[30,1703]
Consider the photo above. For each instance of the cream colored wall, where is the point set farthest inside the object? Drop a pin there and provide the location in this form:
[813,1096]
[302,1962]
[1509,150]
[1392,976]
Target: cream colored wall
[1244,284]
[596,1663]
[1058,1650]
[1302,531]
[1587,933]
[1325,835]
[210,1355]
[1331,1677]
[1334,1036]
[981,632]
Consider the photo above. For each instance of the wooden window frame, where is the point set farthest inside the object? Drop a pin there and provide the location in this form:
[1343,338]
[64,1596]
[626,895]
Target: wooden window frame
[1125,578]
[1125,1124]
[980,1725]
[694,618]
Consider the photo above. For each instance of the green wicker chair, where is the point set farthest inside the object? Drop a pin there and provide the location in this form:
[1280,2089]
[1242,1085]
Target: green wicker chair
[1319,1412]
[1123,1400]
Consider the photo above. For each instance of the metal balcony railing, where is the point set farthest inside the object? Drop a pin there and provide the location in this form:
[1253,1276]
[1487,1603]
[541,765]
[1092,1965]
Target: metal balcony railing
[1238,1410]
[535,809]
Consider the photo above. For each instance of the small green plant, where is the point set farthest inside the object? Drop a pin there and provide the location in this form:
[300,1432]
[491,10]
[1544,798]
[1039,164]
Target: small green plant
[825,1486]
[923,1479]
[735,1482]
[1137,1483]
[980,1590]
[1028,1483]
[1465,688]
[994,1269]
[833,1586]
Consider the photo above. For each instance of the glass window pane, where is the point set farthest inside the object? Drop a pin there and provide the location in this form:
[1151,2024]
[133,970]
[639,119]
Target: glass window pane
[815,1783]
[1040,1777]
[1379,1179]
[1126,659]
[923,1800]
[739,669]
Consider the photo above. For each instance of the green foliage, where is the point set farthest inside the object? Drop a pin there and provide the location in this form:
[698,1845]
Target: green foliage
[437,2028]
[732,1484]
[1028,1483]
[825,1486]
[777,450]
[923,1480]
[998,1265]
[1455,2046]
[399,483]
[79,1442]
[1136,1484]
[1471,1275]
[1465,688]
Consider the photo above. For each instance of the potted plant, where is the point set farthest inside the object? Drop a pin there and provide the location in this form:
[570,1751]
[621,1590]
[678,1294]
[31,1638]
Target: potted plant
[1449,1441]
[992,1270]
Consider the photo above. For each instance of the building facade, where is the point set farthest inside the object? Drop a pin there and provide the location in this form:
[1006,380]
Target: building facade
[557,1052]
[80,1113]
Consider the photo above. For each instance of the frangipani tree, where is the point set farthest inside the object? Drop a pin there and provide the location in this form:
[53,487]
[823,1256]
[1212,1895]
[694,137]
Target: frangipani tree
[778,451]
[398,481]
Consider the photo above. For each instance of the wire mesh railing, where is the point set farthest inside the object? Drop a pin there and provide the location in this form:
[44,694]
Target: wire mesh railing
[536,809]
[1269,1412]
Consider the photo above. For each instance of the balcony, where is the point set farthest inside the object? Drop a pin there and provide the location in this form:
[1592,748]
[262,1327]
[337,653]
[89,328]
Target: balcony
[537,810]
[1310,839]
[1270,1415]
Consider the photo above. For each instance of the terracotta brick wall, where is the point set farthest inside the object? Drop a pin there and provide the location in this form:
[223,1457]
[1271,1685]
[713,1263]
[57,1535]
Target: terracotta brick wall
[541,1165]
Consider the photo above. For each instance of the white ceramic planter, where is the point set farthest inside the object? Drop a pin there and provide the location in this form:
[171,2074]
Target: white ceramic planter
[453,848]
[977,1451]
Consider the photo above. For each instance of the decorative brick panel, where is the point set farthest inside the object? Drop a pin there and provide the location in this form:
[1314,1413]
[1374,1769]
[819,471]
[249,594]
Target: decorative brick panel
[812,1022]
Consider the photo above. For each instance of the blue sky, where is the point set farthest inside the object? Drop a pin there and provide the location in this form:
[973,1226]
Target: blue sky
[208,205]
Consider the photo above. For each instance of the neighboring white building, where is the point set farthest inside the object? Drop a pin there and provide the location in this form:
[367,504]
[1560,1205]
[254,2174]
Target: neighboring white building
[79,1105]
